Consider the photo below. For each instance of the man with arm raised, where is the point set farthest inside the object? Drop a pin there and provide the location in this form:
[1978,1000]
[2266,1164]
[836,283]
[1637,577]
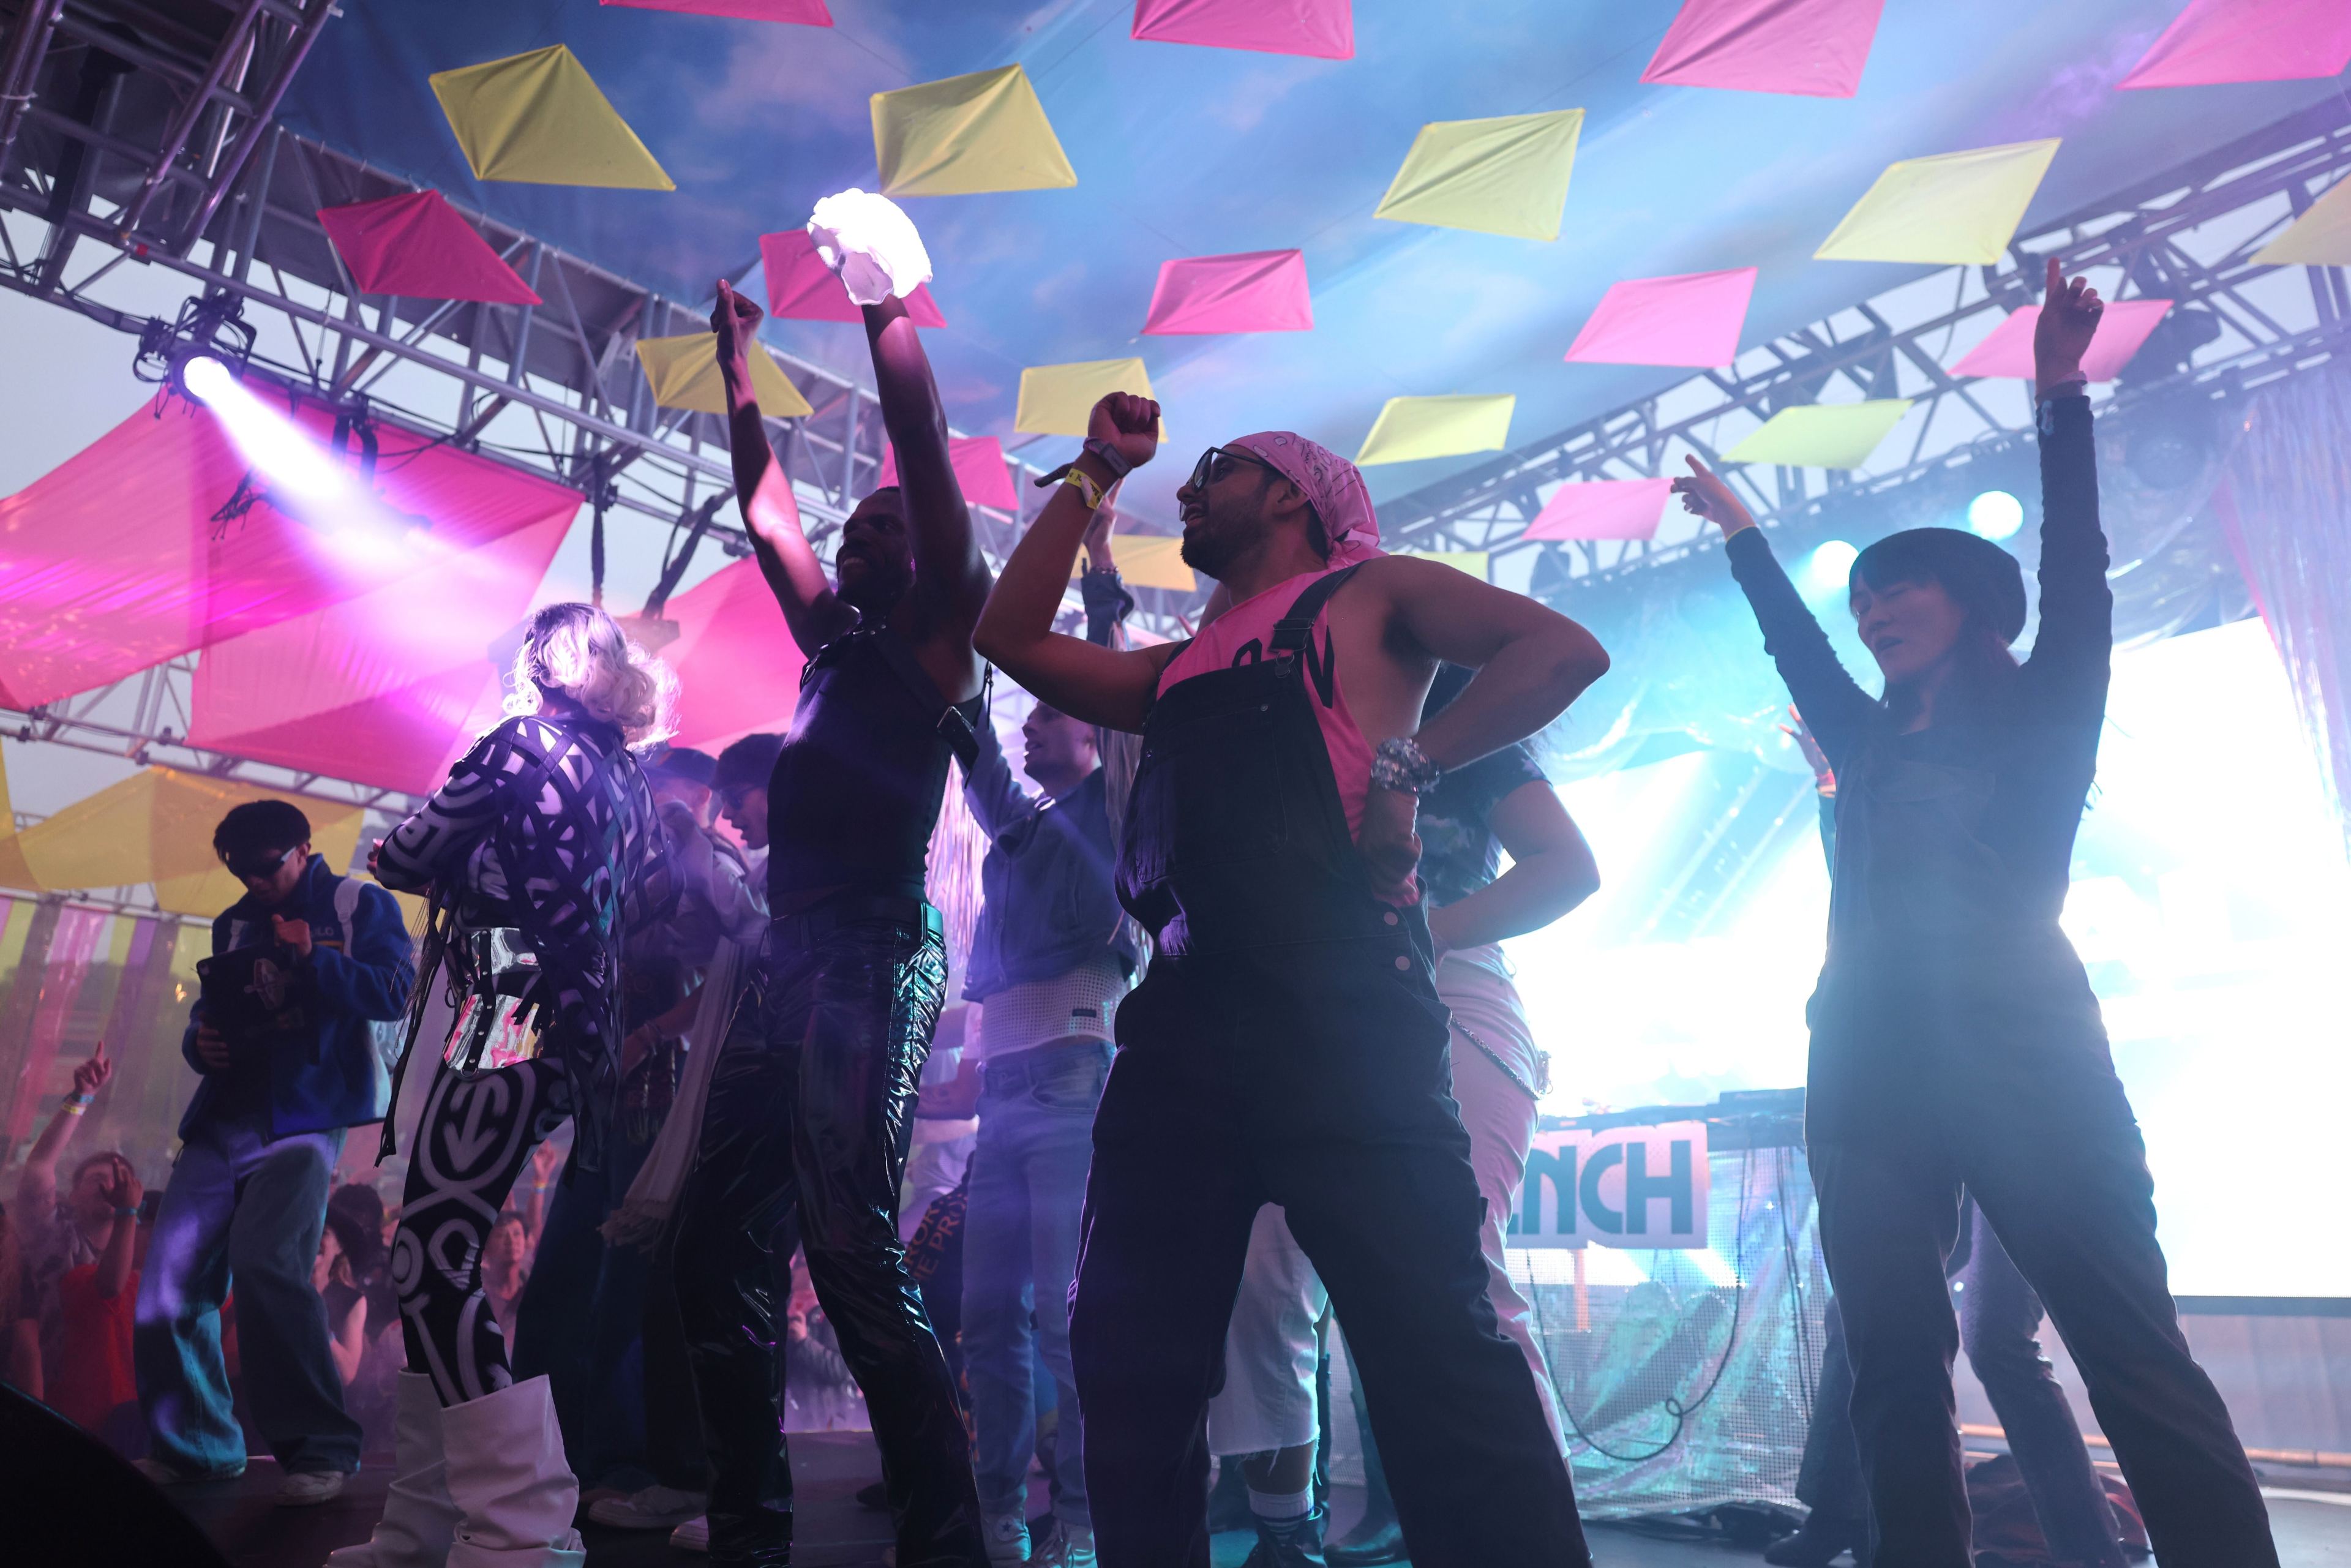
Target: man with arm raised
[1286,1044]
[810,1105]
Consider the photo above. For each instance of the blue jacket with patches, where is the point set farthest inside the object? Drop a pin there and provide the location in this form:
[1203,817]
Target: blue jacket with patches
[357,977]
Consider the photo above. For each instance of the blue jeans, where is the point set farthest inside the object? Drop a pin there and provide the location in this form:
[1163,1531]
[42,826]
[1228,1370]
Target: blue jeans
[245,1211]
[1020,1250]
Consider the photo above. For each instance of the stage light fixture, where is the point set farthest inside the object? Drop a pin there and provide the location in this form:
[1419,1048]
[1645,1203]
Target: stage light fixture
[1995,515]
[202,377]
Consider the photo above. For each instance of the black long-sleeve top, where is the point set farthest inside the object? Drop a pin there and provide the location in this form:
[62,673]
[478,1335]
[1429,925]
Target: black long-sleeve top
[1958,838]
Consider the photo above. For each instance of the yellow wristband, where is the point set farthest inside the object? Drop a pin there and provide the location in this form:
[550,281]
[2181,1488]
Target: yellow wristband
[1084,485]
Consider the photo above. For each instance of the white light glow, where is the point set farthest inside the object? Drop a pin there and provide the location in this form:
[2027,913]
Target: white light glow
[1826,570]
[282,451]
[2212,902]
[1996,514]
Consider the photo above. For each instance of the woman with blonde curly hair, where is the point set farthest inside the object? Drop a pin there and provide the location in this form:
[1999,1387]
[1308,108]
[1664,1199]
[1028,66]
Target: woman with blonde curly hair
[539,853]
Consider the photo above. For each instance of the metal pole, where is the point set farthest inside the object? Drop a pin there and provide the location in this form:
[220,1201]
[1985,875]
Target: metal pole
[184,124]
[28,43]
[297,49]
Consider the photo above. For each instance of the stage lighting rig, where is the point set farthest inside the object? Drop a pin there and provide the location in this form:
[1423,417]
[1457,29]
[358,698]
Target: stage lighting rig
[210,333]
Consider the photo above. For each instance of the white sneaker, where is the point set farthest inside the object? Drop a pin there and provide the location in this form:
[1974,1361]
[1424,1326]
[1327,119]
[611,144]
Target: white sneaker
[1006,1539]
[694,1535]
[163,1473]
[302,1488]
[654,1508]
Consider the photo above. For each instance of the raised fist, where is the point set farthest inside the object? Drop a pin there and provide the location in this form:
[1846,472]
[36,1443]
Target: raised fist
[1130,425]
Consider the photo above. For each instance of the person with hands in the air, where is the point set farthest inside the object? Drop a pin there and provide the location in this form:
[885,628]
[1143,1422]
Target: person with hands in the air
[58,1230]
[808,1106]
[307,968]
[1955,1037]
[1286,1044]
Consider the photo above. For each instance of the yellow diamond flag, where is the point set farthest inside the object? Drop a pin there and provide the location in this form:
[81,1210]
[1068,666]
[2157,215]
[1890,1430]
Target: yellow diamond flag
[1821,435]
[684,371]
[1056,399]
[1953,207]
[1149,560]
[157,827]
[1410,427]
[1472,561]
[2320,238]
[541,120]
[985,131]
[1504,176]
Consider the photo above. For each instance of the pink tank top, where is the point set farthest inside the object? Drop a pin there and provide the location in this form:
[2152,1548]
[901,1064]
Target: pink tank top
[1241,636]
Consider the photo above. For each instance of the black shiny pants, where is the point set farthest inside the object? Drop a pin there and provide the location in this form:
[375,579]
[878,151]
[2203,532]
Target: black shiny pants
[810,1115]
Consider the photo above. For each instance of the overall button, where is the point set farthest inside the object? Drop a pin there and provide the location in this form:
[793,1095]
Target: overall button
[1390,917]
[1403,962]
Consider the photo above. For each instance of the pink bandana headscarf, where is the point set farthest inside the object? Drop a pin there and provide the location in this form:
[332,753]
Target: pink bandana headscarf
[1335,484]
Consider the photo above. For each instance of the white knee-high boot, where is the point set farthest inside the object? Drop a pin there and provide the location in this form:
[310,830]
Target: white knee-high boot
[514,1489]
[419,1518]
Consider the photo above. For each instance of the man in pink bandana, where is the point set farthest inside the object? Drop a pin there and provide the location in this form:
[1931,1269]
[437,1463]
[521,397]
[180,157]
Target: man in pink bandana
[1287,1045]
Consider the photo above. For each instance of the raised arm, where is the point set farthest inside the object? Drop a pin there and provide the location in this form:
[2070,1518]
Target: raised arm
[36,1184]
[770,514]
[1531,661]
[435,842]
[1835,708]
[2074,651]
[1106,686]
[950,574]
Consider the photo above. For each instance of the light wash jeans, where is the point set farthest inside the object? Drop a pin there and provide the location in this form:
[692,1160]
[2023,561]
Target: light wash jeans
[242,1212]
[1020,1250]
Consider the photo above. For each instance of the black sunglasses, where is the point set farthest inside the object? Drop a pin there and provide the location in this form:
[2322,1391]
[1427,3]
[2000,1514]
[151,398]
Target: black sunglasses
[1208,469]
[253,868]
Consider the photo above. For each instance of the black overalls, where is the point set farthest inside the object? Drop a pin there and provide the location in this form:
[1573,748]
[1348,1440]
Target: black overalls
[1287,1046]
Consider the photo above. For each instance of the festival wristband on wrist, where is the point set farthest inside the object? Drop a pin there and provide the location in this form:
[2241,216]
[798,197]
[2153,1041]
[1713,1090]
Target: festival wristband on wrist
[1109,456]
[126,1213]
[1400,765]
[1083,484]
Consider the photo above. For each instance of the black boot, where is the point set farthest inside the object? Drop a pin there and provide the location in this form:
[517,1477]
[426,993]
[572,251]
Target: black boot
[1818,1541]
[1372,1542]
[1290,1542]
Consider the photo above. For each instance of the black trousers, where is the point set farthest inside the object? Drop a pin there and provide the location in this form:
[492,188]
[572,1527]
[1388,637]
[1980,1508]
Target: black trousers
[809,1116]
[2040,1134]
[2000,1326]
[1193,1135]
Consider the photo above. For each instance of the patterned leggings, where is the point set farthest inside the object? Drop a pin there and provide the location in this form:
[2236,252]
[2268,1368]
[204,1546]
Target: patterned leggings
[477,1133]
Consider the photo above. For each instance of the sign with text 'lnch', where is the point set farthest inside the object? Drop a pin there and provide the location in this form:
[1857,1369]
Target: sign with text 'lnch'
[1620,1187]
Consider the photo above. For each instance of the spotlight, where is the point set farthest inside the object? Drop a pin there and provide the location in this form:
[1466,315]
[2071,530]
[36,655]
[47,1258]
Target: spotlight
[1995,514]
[202,378]
[212,328]
[1828,567]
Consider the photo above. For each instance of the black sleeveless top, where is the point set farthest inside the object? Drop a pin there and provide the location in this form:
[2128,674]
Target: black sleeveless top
[857,788]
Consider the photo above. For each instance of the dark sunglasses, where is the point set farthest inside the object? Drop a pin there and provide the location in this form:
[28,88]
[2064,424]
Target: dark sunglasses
[253,868]
[1210,469]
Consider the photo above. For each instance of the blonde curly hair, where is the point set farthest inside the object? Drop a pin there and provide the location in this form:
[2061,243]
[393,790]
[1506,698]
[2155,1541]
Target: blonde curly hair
[579,653]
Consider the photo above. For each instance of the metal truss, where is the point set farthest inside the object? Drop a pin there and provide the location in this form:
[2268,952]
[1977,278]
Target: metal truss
[117,146]
[2188,235]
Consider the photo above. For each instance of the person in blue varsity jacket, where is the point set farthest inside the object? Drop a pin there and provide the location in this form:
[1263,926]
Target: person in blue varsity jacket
[281,1080]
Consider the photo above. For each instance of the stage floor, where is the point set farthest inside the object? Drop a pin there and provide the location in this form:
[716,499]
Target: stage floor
[2314,1530]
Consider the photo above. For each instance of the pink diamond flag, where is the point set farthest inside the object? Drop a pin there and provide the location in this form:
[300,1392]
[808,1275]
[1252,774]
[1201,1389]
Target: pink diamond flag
[980,469]
[1692,319]
[807,12]
[2121,331]
[1815,47]
[801,288]
[1602,509]
[1323,28]
[418,247]
[1255,291]
[2248,40]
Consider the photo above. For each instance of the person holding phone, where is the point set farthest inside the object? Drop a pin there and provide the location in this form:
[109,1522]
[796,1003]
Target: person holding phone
[304,968]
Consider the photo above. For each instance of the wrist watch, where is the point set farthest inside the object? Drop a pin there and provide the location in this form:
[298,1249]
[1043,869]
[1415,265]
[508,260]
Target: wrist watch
[1109,456]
